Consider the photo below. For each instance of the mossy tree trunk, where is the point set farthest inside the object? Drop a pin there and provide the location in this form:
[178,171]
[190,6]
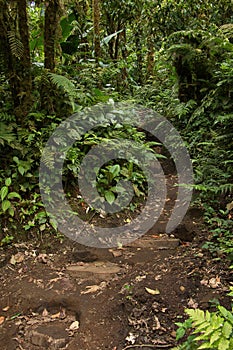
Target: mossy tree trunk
[15,54]
[52,19]
[25,61]
[150,57]
[53,14]
[96,24]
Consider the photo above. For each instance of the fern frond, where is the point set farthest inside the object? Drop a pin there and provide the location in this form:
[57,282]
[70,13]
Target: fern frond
[226,188]
[6,135]
[48,158]
[65,84]
[16,46]
[182,49]
[5,117]
[62,82]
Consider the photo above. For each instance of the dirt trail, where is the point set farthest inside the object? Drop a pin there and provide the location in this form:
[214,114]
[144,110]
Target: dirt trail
[66,296]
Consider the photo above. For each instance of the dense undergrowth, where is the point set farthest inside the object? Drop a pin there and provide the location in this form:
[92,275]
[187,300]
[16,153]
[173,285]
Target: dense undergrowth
[203,117]
[184,74]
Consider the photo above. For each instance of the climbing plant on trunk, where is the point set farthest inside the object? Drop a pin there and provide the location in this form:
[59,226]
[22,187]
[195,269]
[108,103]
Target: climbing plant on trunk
[14,42]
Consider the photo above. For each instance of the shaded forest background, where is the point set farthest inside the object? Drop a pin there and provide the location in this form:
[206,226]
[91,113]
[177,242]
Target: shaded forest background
[59,56]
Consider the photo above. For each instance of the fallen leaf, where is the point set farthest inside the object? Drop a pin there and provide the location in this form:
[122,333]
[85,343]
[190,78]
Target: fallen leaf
[17,258]
[157,324]
[131,338]
[74,326]
[192,303]
[214,282]
[140,278]
[229,206]
[57,315]
[204,282]
[2,319]
[158,277]
[152,291]
[128,220]
[94,288]
[6,308]
[45,313]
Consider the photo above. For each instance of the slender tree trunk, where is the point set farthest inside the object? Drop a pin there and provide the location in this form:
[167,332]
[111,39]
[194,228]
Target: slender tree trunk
[81,10]
[52,18]
[138,45]
[124,56]
[51,23]
[150,57]
[96,23]
[15,54]
[117,42]
[110,29]
[6,57]
[25,61]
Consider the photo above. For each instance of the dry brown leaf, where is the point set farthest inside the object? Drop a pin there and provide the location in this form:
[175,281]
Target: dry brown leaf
[204,282]
[17,258]
[45,313]
[140,278]
[74,326]
[192,303]
[2,319]
[6,308]
[158,277]
[214,282]
[94,288]
[152,291]
[57,315]
[157,324]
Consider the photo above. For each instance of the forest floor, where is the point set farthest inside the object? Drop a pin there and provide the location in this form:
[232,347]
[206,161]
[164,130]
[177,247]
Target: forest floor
[61,295]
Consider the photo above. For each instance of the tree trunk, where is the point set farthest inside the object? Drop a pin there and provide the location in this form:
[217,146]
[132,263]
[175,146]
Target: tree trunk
[124,56]
[96,23]
[52,18]
[7,59]
[138,44]
[25,61]
[150,57]
[16,54]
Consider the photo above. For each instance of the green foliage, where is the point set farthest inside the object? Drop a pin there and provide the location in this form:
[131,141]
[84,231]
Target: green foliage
[221,227]
[114,171]
[175,57]
[7,135]
[16,45]
[209,330]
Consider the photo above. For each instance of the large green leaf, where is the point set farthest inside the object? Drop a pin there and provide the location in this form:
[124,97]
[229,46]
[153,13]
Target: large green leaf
[106,40]
[6,205]
[4,192]
[109,196]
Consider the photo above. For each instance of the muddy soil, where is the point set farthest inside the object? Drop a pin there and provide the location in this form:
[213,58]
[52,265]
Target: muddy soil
[61,295]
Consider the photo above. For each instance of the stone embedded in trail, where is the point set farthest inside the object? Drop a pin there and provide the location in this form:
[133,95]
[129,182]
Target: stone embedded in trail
[99,267]
[49,336]
[156,243]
